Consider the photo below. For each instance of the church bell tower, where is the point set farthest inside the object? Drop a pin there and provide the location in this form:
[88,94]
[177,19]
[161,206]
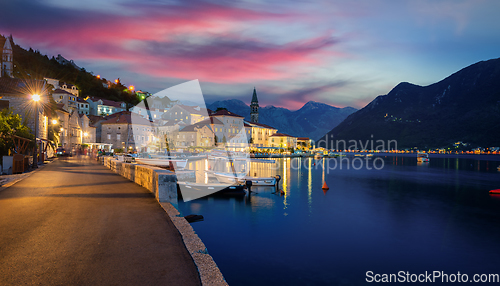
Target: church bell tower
[254,108]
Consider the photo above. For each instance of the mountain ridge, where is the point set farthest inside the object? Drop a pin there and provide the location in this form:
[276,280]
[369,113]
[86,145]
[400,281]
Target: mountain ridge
[464,106]
[311,120]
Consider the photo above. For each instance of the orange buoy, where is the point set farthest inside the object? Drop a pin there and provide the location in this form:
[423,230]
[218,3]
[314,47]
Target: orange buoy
[325,187]
[497,191]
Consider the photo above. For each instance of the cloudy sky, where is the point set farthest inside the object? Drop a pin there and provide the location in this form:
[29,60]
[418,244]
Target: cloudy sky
[342,53]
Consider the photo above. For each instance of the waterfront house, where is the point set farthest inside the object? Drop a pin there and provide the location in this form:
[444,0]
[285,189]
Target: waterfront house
[283,141]
[260,134]
[232,133]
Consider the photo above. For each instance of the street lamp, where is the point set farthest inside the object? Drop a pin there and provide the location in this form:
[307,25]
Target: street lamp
[36,98]
[54,121]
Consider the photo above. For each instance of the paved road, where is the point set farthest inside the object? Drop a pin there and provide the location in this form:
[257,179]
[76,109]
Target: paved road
[77,223]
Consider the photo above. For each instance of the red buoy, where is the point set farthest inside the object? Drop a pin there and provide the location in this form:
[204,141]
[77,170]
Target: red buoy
[325,187]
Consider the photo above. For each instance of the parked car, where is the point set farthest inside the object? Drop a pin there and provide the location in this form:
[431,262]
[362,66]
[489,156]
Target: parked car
[61,152]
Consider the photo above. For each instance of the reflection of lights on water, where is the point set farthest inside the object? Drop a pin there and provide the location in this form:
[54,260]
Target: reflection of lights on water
[285,181]
[309,184]
[206,174]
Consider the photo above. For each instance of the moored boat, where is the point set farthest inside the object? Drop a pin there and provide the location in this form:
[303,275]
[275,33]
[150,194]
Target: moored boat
[261,181]
[422,157]
[191,190]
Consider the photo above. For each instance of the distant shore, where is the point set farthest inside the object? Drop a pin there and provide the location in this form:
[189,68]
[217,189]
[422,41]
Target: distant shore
[483,157]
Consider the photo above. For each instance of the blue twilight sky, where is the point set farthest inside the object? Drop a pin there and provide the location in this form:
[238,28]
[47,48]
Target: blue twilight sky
[342,53]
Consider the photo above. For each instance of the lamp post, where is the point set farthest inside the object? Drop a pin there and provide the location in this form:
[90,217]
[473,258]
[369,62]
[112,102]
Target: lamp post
[36,98]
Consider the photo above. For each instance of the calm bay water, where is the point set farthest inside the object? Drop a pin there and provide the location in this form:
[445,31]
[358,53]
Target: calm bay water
[403,217]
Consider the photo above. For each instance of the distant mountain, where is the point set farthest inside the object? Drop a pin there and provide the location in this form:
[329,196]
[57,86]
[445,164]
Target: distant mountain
[462,107]
[312,120]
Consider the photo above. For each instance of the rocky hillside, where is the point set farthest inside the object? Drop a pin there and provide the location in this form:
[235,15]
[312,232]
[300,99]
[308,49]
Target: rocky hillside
[462,107]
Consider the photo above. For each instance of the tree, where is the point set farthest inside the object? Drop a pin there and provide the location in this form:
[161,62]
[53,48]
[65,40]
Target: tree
[11,124]
[220,108]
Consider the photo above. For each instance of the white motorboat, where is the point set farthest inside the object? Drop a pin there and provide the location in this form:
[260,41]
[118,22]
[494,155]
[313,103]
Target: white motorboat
[422,157]
[230,178]
[261,181]
[163,162]
[190,190]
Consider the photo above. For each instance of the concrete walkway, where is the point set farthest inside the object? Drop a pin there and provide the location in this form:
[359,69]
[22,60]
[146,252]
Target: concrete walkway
[77,223]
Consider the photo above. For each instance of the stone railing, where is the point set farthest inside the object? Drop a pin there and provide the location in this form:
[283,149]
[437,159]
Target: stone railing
[162,183]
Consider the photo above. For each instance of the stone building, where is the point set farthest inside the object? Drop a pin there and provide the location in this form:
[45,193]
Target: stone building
[6,57]
[128,131]
[105,107]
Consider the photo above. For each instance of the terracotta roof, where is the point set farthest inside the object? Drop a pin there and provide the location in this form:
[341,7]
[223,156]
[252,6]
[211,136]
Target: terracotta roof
[189,128]
[61,91]
[302,138]
[210,120]
[95,118]
[126,117]
[262,125]
[281,135]
[224,112]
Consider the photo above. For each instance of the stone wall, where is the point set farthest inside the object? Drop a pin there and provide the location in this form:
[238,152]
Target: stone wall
[162,183]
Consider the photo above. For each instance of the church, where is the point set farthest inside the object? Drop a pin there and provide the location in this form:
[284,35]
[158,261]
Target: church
[6,57]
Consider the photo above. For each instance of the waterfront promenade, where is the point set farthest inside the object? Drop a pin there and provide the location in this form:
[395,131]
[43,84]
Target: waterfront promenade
[77,223]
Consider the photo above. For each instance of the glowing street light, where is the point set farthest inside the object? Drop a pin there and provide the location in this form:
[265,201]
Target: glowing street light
[85,134]
[36,98]
[54,121]
[131,87]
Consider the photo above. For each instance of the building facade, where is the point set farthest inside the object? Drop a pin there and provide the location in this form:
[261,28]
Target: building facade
[68,99]
[128,131]
[283,141]
[6,57]
[105,107]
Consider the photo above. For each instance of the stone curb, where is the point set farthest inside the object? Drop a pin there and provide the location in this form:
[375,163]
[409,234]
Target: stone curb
[210,274]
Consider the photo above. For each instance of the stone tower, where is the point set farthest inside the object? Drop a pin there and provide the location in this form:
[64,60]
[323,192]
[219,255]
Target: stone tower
[7,58]
[254,108]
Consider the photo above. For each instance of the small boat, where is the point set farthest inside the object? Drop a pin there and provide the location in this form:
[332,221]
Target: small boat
[422,157]
[497,191]
[261,181]
[498,168]
[261,160]
[163,162]
[192,191]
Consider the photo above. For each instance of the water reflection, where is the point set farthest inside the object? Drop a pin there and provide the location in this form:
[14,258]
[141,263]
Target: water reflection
[435,215]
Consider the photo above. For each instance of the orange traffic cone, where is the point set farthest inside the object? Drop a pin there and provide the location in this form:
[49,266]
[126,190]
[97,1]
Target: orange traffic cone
[325,187]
